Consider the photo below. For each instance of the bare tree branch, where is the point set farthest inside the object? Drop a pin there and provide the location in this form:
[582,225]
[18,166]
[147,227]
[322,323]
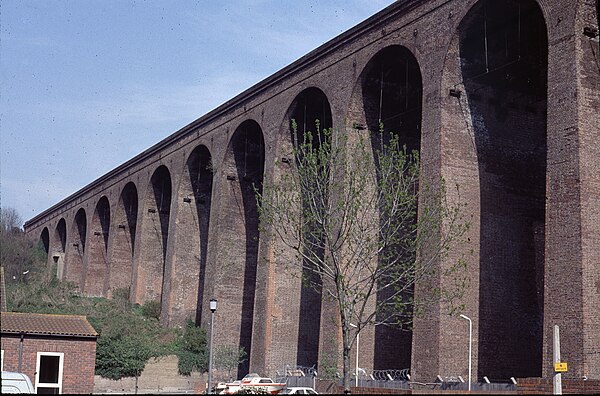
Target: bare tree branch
[365,227]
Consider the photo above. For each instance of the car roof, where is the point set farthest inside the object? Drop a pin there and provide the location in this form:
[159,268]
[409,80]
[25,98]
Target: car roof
[13,376]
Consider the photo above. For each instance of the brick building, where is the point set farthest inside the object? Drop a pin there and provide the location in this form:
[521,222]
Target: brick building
[58,352]
[500,97]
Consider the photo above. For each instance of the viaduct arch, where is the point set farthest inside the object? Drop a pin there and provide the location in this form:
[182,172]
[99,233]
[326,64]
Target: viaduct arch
[505,109]
[123,239]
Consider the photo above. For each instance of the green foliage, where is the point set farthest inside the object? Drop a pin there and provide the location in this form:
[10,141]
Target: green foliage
[193,351]
[129,334]
[366,227]
[151,309]
[328,367]
[22,259]
[127,339]
[229,357]
[122,356]
[363,223]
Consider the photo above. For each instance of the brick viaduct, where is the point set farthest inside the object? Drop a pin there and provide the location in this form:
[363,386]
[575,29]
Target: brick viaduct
[501,97]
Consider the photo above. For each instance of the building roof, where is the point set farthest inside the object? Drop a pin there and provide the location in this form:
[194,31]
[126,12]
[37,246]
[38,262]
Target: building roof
[54,325]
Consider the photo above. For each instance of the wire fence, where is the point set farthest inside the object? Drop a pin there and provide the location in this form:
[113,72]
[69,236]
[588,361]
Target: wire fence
[294,375]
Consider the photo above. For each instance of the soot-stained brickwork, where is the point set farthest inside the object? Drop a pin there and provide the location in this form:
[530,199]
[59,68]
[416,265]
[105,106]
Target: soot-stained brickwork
[500,97]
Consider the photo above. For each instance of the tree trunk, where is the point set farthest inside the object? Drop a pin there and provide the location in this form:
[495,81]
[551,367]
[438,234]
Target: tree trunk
[346,358]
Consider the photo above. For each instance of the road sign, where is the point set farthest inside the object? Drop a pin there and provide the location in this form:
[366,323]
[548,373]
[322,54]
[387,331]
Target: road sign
[560,367]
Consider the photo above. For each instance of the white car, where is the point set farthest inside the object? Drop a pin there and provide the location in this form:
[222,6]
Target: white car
[16,383]
[298,390]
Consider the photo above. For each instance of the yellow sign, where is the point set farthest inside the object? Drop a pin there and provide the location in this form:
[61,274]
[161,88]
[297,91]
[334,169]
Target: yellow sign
[560,367]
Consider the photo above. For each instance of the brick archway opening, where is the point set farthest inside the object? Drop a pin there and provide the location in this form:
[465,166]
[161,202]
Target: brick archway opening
[76,249]
[154,237]
[242,173]
[59,241]
[121,265]
[97,271]
[389,102]
[57,247]
[503,53]
[311,112]
[44,241]
[193,214]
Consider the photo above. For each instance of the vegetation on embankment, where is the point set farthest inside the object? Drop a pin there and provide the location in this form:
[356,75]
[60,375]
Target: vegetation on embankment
[129,334]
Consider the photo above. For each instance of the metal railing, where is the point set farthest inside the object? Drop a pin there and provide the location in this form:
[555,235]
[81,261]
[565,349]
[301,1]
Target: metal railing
[294,375]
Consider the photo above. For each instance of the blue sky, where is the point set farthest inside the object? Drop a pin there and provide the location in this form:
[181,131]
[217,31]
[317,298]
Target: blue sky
[87,84]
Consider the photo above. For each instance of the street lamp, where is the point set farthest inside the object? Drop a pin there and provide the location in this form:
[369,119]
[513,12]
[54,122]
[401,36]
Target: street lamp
[470,343]
[213,308]
[357,343]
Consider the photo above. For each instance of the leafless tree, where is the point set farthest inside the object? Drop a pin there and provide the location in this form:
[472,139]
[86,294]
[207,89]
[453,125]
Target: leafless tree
[10,219]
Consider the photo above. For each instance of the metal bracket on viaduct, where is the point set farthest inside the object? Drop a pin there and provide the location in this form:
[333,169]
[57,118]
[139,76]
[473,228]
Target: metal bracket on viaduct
[500,97]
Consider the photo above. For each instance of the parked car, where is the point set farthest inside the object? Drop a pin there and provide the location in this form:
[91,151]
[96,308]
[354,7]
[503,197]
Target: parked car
[298,390]
[16,383]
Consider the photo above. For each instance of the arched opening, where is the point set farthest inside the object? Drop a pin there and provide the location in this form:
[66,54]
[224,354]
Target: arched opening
[121,265]
[243,171]
[390,104]
[96,275]
[155,235]
[503,53]
[59,241]
[195,193]
[308,108]
[58,248]
[391,96]
[44,242]
[311,113]
[76,249]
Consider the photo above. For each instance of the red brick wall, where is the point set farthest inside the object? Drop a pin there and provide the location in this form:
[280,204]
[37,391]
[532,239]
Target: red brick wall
[79,359]
[428,29]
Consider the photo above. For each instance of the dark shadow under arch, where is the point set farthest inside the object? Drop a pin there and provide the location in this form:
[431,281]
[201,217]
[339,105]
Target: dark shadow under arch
[123,249]
[97,271]
[60,236]
[44,241]
[311,112]
[193,215]
[391,87]
[243,172]
[76,249]
[503,51]
[57,248]
[154,236]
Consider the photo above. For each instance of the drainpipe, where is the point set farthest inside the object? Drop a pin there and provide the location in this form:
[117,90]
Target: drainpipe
[21,352]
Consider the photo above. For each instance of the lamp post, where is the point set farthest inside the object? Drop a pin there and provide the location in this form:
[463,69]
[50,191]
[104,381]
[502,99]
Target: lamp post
[470,343]
[213,308]
[357,344]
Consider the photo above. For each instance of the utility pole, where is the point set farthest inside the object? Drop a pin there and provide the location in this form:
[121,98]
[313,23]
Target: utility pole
[213,308]
[557,375]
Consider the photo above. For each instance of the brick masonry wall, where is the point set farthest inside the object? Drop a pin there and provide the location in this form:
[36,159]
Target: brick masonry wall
[79,359]
[566,242]
[588,60]
[159,376]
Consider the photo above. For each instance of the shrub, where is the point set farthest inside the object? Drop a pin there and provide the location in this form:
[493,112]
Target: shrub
[119,357]
[151,309]
[193,353]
